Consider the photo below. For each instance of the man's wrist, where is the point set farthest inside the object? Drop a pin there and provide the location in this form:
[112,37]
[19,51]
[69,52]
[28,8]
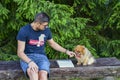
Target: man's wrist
[66,51]
[30,61]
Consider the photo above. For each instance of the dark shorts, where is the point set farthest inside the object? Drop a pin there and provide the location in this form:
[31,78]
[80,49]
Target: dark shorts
[41,60]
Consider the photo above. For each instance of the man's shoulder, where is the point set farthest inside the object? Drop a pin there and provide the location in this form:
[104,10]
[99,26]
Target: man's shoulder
[23,32]
[25,27]
[47,28]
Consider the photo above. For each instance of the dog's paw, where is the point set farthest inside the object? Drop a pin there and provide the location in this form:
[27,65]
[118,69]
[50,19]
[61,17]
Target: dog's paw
[78,64]
[84,64]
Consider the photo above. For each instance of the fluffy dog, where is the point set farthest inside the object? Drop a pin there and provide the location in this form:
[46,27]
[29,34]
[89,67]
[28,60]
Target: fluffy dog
[83,55]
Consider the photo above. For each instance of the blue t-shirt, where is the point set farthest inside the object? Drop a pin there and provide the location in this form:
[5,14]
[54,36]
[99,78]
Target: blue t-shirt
[34,40]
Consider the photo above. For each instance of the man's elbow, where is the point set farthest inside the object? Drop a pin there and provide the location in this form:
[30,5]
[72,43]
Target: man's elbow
[19,53]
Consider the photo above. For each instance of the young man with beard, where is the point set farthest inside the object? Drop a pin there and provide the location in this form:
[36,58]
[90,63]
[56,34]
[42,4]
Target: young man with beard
[31,43]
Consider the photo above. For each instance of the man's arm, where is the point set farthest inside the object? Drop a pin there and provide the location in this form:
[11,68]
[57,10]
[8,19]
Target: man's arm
[23,56]
[57,47]
[20,51]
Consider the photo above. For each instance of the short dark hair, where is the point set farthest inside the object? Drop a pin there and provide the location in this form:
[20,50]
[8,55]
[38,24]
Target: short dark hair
[41,17]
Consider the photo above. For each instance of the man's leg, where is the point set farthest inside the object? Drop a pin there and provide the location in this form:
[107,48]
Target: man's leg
[42,75]
[32,75]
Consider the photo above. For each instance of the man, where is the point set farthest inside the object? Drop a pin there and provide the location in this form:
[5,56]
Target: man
[31,42]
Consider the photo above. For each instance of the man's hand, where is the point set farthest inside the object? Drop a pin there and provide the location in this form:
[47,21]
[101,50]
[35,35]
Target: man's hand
[33,66]
[70,53]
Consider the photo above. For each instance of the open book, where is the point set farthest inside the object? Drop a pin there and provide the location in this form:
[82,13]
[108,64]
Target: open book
[65,63]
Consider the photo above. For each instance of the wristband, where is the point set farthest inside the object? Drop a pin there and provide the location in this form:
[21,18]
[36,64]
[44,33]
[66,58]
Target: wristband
[66,51]
[30,61]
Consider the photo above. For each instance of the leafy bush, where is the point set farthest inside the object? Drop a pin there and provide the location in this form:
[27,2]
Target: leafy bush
[92,23]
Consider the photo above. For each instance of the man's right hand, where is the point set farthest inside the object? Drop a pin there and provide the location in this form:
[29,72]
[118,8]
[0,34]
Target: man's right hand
[32,65]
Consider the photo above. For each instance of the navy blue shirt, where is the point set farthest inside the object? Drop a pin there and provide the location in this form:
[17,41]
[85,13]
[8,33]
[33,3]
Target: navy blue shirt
[34,40]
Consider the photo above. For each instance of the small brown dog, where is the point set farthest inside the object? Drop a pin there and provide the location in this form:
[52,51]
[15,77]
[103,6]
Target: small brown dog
[83,55]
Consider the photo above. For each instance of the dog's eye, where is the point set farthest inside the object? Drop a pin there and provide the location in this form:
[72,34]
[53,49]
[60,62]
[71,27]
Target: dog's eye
[78,51]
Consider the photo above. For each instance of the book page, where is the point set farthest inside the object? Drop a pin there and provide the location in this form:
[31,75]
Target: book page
[65,63]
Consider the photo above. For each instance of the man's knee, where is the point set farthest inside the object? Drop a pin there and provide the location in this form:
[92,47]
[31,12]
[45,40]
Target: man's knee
[43,72]
[43,75]
[31,72]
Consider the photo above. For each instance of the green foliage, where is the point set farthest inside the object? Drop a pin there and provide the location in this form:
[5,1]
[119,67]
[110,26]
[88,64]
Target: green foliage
[7,52]
[115,16]
[93,23]
[104,30]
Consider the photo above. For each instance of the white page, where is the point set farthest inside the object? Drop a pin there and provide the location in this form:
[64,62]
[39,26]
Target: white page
[65,63]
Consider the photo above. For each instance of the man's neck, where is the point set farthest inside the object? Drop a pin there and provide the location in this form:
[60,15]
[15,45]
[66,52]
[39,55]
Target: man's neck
[33,25]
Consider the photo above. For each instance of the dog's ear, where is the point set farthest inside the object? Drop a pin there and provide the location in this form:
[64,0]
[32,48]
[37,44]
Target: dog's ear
[82,49]
[83,46]
[75,48]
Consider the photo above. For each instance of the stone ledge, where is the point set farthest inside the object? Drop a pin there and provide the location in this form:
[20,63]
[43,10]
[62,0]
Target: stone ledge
[10,70]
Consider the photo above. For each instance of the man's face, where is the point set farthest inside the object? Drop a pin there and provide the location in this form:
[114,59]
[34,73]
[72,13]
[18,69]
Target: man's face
[42,26]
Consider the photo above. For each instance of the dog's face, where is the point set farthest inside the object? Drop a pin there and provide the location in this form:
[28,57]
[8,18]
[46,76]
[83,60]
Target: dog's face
[79,50]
